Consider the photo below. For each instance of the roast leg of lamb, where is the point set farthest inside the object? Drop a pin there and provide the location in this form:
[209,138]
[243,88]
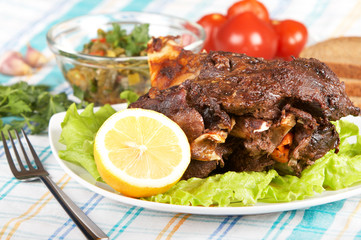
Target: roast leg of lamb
[246,114]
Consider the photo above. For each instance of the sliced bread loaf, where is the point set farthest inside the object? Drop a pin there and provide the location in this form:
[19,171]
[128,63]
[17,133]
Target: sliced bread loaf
[343,56]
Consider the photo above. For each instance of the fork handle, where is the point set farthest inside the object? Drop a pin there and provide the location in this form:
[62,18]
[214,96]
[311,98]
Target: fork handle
[85,224]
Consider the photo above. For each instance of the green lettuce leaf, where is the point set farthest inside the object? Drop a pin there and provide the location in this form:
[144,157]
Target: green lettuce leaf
[331,172]
[78,133]
[219,190]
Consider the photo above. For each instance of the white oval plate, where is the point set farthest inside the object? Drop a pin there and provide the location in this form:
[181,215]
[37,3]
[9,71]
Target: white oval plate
[85,179]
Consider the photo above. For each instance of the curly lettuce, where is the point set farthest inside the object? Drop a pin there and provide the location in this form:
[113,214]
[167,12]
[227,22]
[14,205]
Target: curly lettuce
[331,172]
[78,133]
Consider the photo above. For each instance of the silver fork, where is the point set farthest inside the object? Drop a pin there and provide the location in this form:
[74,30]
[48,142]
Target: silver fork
[85,224]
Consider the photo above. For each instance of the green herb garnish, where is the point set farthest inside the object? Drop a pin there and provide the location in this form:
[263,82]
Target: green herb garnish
[115,36]
[133,43]
[29,105]
[137,40]
[129,95]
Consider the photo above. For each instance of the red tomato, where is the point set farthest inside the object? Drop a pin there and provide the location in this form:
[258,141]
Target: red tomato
[98,53]
[245,33]
[211,23]
[103,40]
[292,37]
[249,6]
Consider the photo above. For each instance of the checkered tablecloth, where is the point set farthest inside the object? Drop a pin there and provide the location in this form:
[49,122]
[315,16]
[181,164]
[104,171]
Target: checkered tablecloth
[29,211]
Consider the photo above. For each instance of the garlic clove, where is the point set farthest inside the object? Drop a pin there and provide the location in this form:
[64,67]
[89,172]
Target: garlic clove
[13,64]
[34,58]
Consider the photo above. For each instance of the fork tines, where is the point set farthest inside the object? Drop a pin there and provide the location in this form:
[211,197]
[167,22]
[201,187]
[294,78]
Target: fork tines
[85,224]
[23,173]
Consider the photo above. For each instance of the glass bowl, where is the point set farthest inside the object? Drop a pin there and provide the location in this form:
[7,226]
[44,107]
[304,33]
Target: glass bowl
[100,80]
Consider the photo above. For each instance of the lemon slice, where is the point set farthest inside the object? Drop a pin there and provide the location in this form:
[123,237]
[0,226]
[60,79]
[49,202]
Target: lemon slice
[140,152]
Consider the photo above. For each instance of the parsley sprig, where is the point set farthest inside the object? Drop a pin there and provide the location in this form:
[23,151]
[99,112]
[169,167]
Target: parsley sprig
[30,106]
[133,43]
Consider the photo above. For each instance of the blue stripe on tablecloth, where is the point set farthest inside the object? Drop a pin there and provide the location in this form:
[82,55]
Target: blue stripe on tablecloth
[53,79]
[292,215]
[115,226]
[317,11]
[316,221]
[27,131]
[231,225]
[219,228]
[39,154]
[275,223]
[69,221]
[136,5]
[86,212]
[39,42]
[81,8]
[129,222]
[4,79]
[11,184]
[358,235]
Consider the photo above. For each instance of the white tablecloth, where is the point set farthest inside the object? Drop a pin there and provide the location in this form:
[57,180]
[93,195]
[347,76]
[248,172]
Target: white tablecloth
[28,210]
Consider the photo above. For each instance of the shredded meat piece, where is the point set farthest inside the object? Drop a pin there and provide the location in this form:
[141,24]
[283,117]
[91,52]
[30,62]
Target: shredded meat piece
[236,109]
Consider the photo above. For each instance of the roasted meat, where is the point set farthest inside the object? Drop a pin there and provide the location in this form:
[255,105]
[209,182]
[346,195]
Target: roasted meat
[246,114]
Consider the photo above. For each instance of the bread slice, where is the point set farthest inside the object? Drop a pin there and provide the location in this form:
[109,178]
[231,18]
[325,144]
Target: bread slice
[356,101]
[343,56]
[353,86]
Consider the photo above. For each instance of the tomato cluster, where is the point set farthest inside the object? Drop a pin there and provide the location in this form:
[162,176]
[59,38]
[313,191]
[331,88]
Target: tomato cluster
[247,28]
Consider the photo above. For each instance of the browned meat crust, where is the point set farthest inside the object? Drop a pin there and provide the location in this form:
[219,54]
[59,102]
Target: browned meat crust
[237,109]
